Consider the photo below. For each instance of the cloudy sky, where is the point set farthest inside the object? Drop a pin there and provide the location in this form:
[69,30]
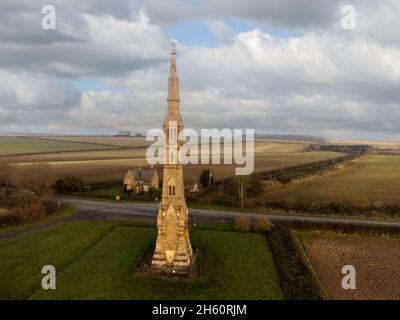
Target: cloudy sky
[278,66]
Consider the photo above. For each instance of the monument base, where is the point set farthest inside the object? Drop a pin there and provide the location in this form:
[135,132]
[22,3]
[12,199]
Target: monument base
[150,268]
[180,264]
[172,270]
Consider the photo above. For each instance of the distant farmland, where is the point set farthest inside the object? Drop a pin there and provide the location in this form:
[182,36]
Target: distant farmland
[108,140]
[375,177]
[114,169]
[22,145]
[375,143]
[108,165]
[96,165]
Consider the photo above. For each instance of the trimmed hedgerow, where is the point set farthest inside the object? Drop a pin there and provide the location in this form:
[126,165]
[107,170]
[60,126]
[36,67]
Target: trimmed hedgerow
[296,280]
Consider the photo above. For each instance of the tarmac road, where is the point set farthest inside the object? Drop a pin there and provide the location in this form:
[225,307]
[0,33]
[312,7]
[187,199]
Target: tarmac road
[148,211]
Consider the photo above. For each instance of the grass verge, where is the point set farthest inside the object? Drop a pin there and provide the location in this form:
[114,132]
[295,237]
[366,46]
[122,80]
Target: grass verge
[67,211]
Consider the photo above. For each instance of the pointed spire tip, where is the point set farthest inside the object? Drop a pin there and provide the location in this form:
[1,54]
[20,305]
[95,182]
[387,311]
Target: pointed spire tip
[173,46]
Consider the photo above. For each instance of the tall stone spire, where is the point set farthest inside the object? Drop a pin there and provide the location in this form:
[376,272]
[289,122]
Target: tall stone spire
[173,251]
[173,99]
[173,81]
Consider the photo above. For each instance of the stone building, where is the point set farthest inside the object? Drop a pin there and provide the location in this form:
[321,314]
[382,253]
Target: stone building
[141,179]
[173,251]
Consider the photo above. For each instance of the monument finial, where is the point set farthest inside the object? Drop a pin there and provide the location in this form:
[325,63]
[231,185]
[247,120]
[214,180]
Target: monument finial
[173,46]
[173,82]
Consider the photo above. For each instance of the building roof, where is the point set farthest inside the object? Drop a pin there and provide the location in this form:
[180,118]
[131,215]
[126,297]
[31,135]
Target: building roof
[146,174]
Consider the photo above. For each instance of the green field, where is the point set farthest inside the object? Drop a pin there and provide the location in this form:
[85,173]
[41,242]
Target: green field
[375,177]
[16,145]
[96,260]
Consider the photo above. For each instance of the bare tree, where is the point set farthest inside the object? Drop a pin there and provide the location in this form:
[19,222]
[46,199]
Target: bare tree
[7,171]
[25,189]
[242,183]
[34,178]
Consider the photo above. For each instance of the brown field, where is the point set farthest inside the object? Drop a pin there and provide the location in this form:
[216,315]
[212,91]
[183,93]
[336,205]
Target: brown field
[377,264]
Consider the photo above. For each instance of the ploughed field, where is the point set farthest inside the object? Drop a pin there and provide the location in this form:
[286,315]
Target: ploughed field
[111,165]
[376,260]
[97,260]
[375,177]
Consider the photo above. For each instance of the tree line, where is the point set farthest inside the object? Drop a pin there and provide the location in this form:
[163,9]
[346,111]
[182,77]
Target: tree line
[359,206]
[360,149]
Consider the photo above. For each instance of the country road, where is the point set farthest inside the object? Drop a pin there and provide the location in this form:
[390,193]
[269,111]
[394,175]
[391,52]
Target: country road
[148,211]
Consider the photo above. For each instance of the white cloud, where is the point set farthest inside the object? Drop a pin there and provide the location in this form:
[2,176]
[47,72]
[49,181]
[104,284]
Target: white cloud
[95,45]
[326,81]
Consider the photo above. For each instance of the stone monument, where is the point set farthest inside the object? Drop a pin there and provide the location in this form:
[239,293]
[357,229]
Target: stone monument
[173,252]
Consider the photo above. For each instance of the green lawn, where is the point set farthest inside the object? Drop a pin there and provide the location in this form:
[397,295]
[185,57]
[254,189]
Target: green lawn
[96,260]
[15,145]
[22,258]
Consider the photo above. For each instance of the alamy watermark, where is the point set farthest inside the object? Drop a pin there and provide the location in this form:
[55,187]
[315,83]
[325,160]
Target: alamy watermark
[49,280]
[349,20]
[349,280]
[49,21]
[210,146]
